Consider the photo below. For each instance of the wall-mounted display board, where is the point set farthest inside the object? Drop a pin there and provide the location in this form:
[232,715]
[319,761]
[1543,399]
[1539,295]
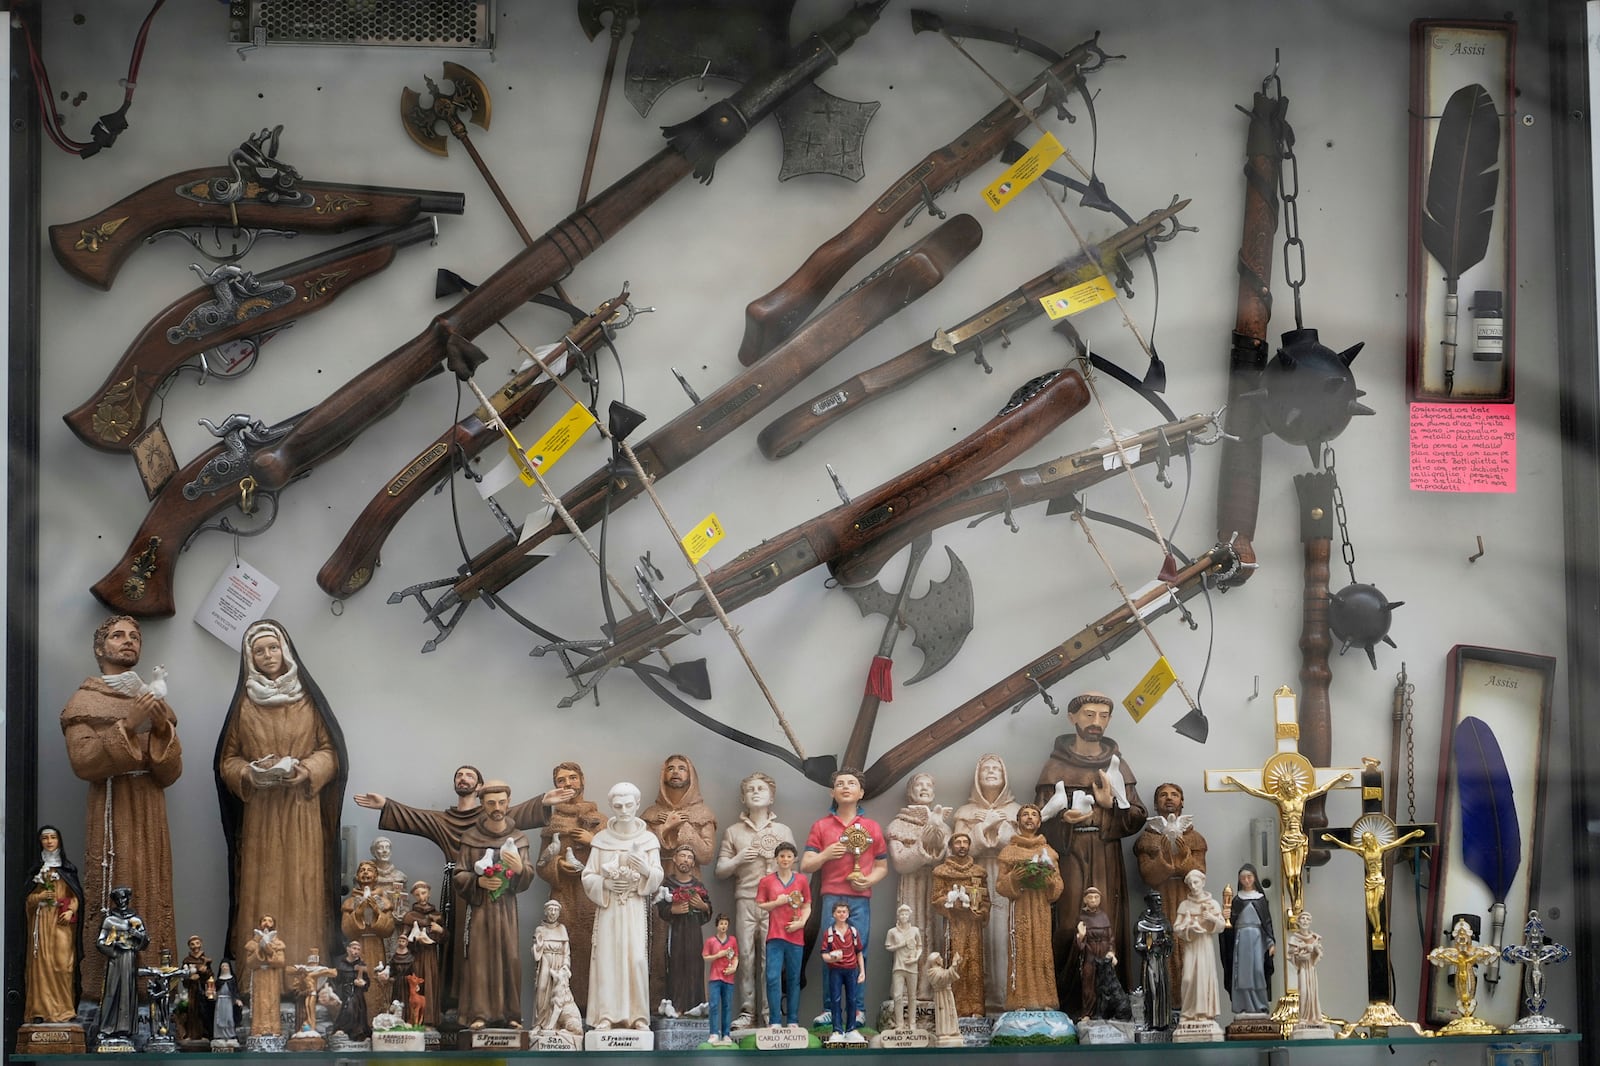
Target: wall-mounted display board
[822,316]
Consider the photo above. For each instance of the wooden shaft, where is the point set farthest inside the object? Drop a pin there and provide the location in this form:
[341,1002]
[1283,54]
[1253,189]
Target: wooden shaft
[1315,493]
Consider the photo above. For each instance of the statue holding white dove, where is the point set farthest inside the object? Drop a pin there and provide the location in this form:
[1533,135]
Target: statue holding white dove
[501,868]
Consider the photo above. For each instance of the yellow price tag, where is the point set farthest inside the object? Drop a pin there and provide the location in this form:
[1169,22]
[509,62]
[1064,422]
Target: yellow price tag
[1148,692]
[1023,172]
[702,537]
[1078,298]
[556,441]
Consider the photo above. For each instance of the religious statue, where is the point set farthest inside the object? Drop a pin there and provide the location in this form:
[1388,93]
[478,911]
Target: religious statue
[563,851]
[447,828]
[122,936]
[1168,848]
[918,839]
[785,897]
[849,850]
[845,966]
[367,915]
[1304,952]
[161,985]
[200,985]
[721,953]
[1196,927]
[960,894]
[498,868]
[905,944]
[52,908]
[1372,851]
[1535,953]
[1463,955]
[122,738]
[264,958]
[227,1009]
[747,855]
[422,927]
[1089,800]
[678,816]
[280,768]
[402,967]
[305,978]
[1152,936]
[988,818]
[1290,780]
[391,879]
[946,1018]
[682,907]
[553,1007]
[1248,946]
[623,872]
[351,978]
[1103,994]
[1030,877]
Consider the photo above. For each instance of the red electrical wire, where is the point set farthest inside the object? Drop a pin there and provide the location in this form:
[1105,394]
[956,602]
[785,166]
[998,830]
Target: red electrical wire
[109,125]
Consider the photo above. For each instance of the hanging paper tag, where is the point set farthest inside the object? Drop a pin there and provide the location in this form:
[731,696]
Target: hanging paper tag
[1023,172]
[544,452]
[241,596]
[1148,692]
[1067,302]
[699,540]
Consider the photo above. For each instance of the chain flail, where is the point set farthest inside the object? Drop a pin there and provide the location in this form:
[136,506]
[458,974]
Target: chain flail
[1406,690]
[1288,192]
[1347,549]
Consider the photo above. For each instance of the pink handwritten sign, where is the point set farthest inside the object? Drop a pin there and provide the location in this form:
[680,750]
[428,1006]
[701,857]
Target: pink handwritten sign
[1464,447]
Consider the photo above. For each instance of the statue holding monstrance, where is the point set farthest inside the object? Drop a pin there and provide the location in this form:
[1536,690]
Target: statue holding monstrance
[1288,781]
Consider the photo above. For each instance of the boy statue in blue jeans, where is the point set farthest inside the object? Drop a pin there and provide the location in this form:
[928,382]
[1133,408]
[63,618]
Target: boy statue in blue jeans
[846,973]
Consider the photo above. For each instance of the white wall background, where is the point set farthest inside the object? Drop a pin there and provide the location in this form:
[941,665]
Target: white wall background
[1168,126]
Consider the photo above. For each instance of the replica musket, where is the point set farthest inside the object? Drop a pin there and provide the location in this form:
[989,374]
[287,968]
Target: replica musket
[1057,481]
[994,323]
[350,567]
[254,195]
[234,304]
[771,318]
[1032,412]
[1095,641]
[875,299]
[263,461]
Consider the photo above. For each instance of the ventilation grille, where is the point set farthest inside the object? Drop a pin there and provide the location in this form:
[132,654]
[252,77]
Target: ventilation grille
[374,23]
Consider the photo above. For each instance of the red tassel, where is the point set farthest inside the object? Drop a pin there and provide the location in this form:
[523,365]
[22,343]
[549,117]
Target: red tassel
[1169,569]
[880,679]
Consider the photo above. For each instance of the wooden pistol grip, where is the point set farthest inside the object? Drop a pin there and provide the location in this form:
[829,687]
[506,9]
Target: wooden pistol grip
[119,409]
[141,583]
[786,433]
[93,249]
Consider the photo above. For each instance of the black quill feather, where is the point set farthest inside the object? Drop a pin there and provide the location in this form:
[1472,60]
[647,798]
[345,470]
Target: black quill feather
[1463,182]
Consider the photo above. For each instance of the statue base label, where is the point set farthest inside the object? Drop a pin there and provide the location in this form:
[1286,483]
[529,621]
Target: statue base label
[1104,1031]
[902,1038]
[975,1032]
[399,1040]
[51,1038]
[307,1041]
[1197,1032]
[113,1045]
[681,1034]
[619,1040]
[264,1042]
[1152,1036]
[491,1040]
[1259,1027]
[224,1047]
[554,1041]
[782,1038]
[1310,1032]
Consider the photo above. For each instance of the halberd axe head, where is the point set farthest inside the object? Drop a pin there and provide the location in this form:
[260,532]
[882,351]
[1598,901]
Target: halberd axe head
[468,94]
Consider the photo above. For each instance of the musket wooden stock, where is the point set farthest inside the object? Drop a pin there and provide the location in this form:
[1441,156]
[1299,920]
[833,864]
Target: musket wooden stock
[1315,493]
[879,297]
[771,318]
[1054,480]
[350,567]
[118,411]
[336,421]
[93,249]
[1239,483]
[798,425]
[1092,642]
[850,526]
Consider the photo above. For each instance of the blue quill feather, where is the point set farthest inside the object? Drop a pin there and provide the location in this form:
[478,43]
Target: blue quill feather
[1491,837]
